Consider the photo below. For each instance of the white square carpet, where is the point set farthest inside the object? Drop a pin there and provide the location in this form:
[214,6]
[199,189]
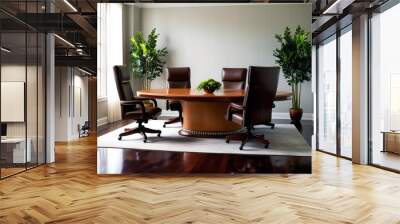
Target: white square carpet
[284,140]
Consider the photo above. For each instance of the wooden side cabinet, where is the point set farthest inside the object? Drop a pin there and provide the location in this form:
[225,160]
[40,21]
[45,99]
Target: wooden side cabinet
[391,141]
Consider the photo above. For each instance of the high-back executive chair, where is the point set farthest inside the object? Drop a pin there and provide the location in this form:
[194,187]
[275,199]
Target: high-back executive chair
[262,83]
[177,77]
[234,78]
[133,107]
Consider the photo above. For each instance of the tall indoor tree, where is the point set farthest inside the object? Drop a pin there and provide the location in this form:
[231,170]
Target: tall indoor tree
[294,57]
[147,61]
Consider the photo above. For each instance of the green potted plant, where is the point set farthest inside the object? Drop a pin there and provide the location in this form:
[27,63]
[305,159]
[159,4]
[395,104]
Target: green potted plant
[147,61]
[294,57]
[209,86]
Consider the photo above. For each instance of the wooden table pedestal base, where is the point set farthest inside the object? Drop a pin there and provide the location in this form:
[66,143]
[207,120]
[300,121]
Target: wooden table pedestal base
[206,119]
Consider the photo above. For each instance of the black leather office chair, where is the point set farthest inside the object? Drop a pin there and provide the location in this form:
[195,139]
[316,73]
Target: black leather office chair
[256,109]
[234,78]
[178,77]
[133,107]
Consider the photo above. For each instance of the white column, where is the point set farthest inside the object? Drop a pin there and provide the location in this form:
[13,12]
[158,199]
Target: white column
[50,99]
[360,90]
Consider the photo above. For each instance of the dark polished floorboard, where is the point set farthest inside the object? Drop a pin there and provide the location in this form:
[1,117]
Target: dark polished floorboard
[130,161]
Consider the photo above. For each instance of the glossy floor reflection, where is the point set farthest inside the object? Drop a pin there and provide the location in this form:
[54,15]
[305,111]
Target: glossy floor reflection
[130,161]
[386,159]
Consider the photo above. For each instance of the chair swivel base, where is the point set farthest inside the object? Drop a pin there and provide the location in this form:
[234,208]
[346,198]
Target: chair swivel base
[141,129]
[245,137]
[272,125]
[172,121]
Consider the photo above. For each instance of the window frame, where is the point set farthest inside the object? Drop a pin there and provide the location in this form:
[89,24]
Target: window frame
[333,37]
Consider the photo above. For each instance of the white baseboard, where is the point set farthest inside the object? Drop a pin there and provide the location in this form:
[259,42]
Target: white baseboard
[282,115]
[102,121]
[275,115]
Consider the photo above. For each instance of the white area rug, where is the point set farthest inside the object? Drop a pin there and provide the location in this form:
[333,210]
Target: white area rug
[284,140]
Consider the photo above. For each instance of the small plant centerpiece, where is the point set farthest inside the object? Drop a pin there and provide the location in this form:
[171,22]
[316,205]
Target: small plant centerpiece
[294,56]
[147,61]
[209,86]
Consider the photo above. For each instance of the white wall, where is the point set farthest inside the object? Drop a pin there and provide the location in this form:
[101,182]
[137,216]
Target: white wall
[61,103]
[81,103]
[207,38]
[69,112]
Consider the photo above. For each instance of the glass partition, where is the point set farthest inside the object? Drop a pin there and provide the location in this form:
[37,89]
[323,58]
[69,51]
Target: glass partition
[14,153]
[22,77]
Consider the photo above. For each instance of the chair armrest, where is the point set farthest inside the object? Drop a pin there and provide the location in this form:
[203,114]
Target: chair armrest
[151,99]
[134,102]
[234,108]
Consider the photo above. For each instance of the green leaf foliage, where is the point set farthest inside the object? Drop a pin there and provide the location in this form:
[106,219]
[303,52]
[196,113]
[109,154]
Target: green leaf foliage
[147,61]
[209,85]
[294,57]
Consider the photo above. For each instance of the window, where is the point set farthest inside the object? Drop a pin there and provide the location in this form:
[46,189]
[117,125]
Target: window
[109,48]
[101,48]
[335,74]
[385,88]
[346,95]
[327,95]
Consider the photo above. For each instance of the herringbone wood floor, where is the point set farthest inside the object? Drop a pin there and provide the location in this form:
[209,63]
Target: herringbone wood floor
[69,191]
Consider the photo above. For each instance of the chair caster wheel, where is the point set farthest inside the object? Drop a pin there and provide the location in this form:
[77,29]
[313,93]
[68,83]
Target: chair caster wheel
[119,138]
[227,141]
[266,146]
[145,140]
[159,135]
[164,125]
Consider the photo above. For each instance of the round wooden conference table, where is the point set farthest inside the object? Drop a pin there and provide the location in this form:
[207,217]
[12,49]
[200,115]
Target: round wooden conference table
[204,113]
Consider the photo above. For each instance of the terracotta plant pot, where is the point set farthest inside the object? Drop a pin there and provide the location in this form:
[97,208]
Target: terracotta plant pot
[209,91]
[296,114]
